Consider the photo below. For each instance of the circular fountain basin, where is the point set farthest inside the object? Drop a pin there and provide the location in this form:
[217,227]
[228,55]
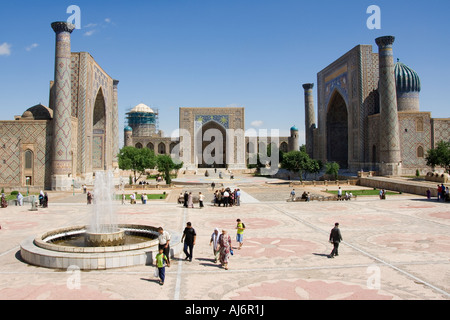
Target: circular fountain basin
[66,247]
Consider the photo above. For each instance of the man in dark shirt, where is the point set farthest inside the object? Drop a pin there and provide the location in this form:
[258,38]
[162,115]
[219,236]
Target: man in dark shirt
[335,239]
[189,236]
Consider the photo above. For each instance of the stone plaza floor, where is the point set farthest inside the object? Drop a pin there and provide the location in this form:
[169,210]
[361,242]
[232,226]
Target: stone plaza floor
[396,249]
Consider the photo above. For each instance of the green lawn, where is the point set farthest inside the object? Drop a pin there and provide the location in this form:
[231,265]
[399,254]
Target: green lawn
[363,192]
[149,197]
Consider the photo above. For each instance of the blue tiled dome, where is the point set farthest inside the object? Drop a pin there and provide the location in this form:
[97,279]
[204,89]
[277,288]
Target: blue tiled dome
[407,79]
[294,128]
[128,129]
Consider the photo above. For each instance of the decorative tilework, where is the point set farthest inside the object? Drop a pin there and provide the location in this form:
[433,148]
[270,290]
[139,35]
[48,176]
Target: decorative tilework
[223,120]
[63,110]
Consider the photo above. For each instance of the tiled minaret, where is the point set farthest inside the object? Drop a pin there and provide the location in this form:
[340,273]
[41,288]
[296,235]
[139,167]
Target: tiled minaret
[115,120]
[390,156]
[62,174]
[310,118]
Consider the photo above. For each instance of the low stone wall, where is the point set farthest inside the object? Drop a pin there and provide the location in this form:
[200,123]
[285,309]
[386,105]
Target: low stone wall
[397,185]
[326,183]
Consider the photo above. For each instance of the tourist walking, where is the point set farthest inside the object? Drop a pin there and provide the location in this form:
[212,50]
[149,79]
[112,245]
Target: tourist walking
[335,239]
[240,233]
[164,242]
[161,260]
[428,194]
[225,249]
[201,198]
[189,237]
[439,190]
[215,244]
[238,197]
[190,200]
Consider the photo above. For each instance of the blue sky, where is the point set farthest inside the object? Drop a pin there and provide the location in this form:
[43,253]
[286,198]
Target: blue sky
[215,53]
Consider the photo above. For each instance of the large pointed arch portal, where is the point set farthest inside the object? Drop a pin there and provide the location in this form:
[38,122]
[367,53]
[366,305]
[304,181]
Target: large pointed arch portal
[213,145]
[337,131]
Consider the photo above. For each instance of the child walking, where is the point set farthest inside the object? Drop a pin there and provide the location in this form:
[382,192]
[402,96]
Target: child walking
[161,260]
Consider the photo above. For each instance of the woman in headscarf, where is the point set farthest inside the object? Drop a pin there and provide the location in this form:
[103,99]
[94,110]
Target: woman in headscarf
[225,248]
[215,243]
[4,203]
[41,198]
[20,199]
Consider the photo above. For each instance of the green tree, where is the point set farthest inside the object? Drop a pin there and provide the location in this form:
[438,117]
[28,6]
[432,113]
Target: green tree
[440,156]
[299,161]
[332,168]
[165,165]
[137,160]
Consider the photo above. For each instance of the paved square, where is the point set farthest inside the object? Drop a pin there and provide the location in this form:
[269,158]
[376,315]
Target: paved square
[393,249]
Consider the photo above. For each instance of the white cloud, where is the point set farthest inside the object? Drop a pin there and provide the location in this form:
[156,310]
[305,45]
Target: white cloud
[89,33]
[108,20]
[90,25]
[5,49]
[34,45]
[257,123]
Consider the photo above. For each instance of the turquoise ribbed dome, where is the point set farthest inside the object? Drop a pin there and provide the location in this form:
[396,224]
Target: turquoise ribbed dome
[294,128]
[407,79]
[128,129]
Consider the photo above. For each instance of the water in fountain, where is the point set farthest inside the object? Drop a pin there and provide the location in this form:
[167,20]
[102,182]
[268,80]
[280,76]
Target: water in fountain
[104,217]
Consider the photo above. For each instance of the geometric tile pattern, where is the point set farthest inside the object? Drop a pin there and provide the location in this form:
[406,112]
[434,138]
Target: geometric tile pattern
[15,134]
[62,124]
[389,134]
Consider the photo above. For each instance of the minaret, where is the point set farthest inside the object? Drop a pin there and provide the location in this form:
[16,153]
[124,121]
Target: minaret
[115,121]
[61,165]
[310,118]
[390,156]
[128,136]
[293,144]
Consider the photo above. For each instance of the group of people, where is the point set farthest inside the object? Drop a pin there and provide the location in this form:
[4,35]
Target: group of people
[220,242]
[347,196]
[382,194]
[306,196]
[43,199]
[442,193]
[188,199]
[227,197]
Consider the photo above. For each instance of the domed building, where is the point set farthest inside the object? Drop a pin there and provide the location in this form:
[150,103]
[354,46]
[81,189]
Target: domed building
[369,114]
[141,131]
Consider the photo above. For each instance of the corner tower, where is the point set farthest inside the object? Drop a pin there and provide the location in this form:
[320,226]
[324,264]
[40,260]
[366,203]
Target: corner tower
[390,156]
[310,118]
[62,152]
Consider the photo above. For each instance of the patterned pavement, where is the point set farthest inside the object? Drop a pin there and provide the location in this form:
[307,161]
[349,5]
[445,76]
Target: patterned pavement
[397,249]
